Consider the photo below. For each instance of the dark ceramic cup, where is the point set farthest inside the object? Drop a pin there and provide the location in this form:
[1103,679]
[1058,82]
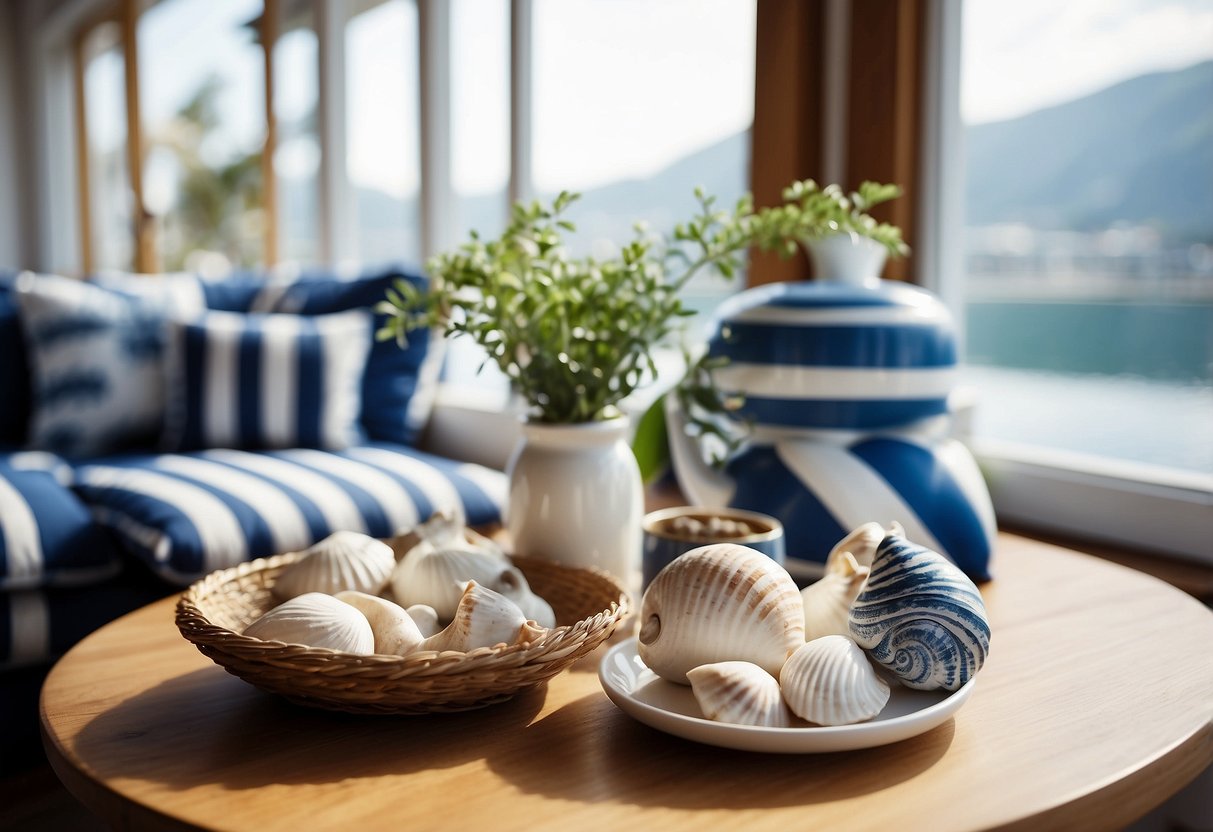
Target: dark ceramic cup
[671,532]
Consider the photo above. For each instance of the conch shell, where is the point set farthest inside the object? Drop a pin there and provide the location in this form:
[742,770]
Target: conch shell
[741,693]
[829,681]
[436,577]
[718,603]
[343,560]
[921,617]
[425,618]
[827,603]
[483,618]
[861,544]
[316,620]
[396,634]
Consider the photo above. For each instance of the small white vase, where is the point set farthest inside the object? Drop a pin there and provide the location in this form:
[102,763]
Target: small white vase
[576,497]
[848,258]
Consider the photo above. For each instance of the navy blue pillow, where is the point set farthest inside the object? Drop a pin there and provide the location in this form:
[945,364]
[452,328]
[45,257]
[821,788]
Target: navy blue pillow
[14,368]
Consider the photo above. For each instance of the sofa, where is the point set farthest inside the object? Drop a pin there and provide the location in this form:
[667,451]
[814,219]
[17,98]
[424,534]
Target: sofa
[156,428]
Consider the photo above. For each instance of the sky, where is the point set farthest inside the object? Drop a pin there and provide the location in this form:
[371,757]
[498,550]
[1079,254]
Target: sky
[622,87]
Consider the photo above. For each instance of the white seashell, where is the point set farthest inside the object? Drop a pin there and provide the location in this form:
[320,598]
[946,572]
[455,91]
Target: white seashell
[316,620]
[861,543]
[512,584]
[425,618]
[830,681]
[445,531]
[827,603]
[718,603]
[343,560]
[484,618]
[740,693]
[396,634]
[921,617]
[436,577]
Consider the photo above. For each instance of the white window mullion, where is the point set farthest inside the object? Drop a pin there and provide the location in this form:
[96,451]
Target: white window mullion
[521,66]
[336,207]
[437,197]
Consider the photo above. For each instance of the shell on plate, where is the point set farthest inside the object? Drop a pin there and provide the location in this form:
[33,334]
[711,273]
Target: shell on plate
[829,681]
[921,617]
[861,543]
[396,634]
[426,619]
[741,693]
[316,620]
[827,603]
[484,618]
[722,602]
[343,560]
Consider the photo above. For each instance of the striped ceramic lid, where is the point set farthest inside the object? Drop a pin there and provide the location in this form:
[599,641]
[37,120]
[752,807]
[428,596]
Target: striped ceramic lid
[834,355]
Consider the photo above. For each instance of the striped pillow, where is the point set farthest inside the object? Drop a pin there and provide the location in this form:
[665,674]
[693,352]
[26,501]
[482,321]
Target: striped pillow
[265,381]
[46,534]
[185,515]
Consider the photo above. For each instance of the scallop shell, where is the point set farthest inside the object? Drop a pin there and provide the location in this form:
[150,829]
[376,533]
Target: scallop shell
[827,603]
[740,693]
[316,620]
[425,618]
[445,531]
[718,603]
[484,618]
[830,681]
[436,577]
[343,560]
[396,634]
[861,544]
[921,617]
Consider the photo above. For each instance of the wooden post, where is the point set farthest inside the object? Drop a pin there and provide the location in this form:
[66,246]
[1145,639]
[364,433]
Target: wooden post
[786,139]
[144,223]
[269,181]
[884,117]
[82,155]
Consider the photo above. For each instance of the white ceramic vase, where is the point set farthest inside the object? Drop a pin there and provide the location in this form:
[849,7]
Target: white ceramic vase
[576,497]
[849,258]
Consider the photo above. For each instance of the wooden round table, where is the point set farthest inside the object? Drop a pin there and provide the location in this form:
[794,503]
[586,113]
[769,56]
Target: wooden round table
[1095,706]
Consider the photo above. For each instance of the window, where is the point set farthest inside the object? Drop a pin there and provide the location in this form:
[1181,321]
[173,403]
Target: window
[1088,256]
[296,76]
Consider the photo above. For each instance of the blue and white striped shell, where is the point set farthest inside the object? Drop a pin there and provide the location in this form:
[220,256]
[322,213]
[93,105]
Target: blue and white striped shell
[921,617]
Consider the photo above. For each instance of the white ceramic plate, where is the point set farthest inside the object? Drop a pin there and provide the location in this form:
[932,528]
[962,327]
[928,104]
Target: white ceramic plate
[645,696]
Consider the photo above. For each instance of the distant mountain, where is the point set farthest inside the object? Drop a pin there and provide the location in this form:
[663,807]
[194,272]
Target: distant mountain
[1140,152]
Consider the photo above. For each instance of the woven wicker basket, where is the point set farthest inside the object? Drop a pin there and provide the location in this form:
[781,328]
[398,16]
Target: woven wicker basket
[214,611]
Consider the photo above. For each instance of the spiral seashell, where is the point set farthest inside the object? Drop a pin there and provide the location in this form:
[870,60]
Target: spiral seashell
[343,560]
[396,634]
[861,543]
[316,620]
[484,618]
[425,618]
[827,603]
[436,577]
[718,603]
[830,681]
[740,693]
[512,584]
[921,617]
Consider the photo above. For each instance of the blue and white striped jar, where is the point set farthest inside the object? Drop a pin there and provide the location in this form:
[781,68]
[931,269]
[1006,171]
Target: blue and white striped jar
[837,355]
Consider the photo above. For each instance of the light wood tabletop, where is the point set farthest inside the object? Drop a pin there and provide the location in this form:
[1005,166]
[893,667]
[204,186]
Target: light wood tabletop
[1096,705]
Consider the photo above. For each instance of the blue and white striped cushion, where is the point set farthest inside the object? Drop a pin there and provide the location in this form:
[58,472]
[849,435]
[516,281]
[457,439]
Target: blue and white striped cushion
[46,535]
[820,491]
[188,514]
[265,381]
[96,357]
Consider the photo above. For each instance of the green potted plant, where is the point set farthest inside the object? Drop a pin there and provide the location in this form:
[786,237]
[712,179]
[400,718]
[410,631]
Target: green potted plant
[575,336]
[842,239]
